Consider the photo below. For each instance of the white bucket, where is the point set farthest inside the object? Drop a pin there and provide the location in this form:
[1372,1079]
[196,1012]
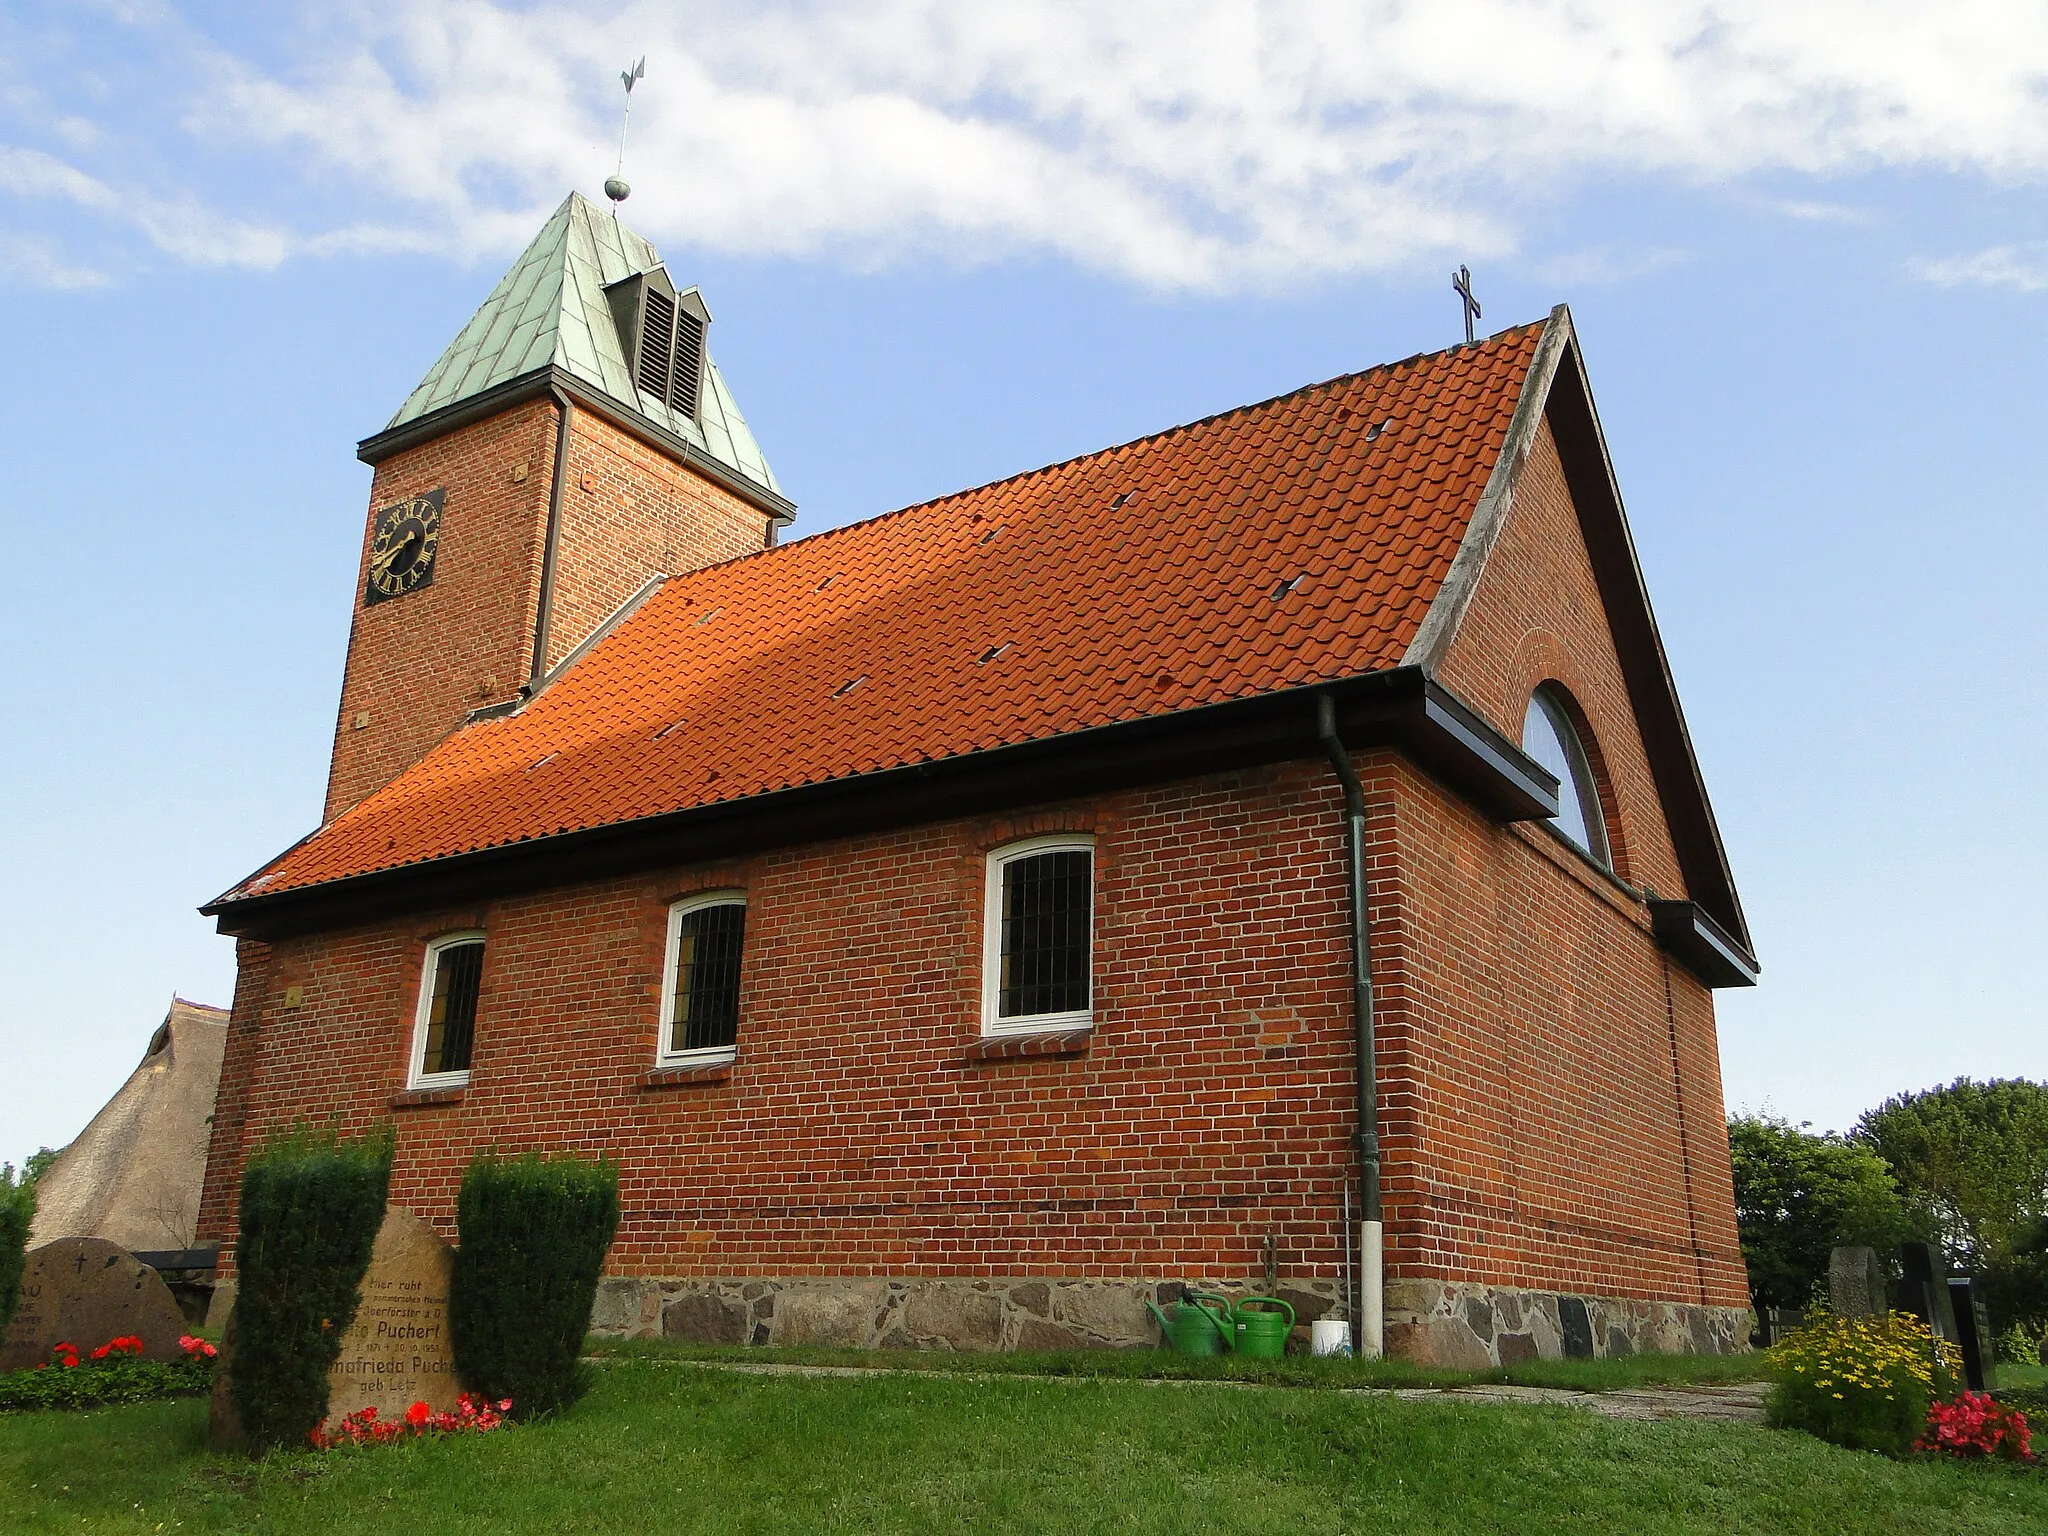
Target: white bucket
[1330,1338]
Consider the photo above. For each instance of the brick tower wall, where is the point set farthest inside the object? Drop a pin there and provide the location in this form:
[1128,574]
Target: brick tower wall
[418,664]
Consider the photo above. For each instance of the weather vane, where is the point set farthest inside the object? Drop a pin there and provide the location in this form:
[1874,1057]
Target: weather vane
[1461,281]
[615,186]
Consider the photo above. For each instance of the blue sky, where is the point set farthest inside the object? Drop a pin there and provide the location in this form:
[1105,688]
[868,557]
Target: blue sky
[1808,255]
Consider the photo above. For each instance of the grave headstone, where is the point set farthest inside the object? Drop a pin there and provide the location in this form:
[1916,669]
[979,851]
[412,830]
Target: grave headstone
[1923,1288]
[1973,1335]
[1576,1326]
[397,1351]
[85,1291]
[1856,1284]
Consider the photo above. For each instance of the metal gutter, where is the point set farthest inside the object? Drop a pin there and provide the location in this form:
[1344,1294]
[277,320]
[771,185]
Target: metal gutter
[1372,1308]
[544,607]
[380,446]
[1688,933]
[1398,709]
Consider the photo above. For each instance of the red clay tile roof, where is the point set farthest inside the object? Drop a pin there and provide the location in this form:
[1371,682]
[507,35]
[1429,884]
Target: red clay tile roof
[1275,546]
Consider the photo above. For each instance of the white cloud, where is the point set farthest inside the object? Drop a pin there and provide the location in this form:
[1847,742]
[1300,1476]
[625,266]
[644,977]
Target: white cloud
[1179,144]
[2023,267]
[34,261]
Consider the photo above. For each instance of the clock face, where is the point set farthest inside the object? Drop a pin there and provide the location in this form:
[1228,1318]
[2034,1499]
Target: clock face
[402,547]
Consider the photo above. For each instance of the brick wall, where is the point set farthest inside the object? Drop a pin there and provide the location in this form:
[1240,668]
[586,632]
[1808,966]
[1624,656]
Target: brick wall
[1568,1084]
[418,664]
[856,1136]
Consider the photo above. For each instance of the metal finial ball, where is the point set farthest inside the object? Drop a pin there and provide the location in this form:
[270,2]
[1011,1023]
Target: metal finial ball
[616,189]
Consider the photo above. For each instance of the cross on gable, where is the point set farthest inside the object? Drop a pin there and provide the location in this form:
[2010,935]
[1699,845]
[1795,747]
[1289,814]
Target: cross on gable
[1461,280]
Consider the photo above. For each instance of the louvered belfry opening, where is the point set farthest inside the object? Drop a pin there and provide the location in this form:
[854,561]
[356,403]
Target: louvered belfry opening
[662,334]
[688,367]
[654,369]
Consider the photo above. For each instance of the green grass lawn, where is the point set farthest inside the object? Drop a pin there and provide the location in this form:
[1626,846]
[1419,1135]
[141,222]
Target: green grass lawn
[660,1448]
[1155,1364]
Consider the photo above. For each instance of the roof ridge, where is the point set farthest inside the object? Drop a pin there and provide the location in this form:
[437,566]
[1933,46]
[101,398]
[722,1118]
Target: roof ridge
[1135,442]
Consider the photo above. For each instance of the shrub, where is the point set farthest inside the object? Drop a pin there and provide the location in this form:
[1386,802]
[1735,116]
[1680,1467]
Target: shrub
[534,1233]
[1861,1382]
[2021,1345]
[1977,1425]
[17,1210]
[311,1206]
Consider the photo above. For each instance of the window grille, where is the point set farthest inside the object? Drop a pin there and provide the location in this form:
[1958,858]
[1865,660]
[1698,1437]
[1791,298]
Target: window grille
[706,1010]
[451,1017]
[1045,934]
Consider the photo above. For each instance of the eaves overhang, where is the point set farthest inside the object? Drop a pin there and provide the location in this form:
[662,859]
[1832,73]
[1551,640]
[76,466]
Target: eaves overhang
[1401,709]
[542,381]
[1688,933]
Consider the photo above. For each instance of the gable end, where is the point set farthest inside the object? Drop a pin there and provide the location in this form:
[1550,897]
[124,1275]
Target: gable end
[1558,394]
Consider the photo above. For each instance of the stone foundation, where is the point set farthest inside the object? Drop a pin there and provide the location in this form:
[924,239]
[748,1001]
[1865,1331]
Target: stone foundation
[1454,1323]
[1432,1322]
[1024,1313]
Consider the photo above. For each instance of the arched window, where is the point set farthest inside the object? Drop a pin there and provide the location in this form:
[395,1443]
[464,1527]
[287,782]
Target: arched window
[444,1025]
[1549,736]
[1038,936]
[700,997]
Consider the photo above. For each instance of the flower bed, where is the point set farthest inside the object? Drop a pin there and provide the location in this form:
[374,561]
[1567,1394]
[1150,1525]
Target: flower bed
[1865,1383]
[1977,1426]
[364,1427]
[112,1373]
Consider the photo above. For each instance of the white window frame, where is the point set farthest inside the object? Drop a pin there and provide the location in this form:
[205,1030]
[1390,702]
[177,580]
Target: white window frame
[416,1076]
[706,1055]
[1550,697]
[992,938]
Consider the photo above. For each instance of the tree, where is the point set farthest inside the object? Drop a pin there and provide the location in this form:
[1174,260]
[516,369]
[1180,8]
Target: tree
[1797,1195]
[1971,1161]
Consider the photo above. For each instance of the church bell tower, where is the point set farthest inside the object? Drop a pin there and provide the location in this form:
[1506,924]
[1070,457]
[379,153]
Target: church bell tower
[574,444]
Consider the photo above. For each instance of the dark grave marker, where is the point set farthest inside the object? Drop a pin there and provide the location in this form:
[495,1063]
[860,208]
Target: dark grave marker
[1577,1326]
[85,1291]
[1923,1288]
[1973,1335]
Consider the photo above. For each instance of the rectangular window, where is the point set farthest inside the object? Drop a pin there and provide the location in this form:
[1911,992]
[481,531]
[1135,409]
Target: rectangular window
[445,1027]
[1038,949]
[700,1007]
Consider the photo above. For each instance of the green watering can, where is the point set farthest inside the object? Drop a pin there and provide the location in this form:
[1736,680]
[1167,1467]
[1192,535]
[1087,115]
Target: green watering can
[1196,1328]
[1262,1334]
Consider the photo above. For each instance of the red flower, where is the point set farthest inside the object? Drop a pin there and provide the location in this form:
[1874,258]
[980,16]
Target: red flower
[418,1414]
[1977,1425]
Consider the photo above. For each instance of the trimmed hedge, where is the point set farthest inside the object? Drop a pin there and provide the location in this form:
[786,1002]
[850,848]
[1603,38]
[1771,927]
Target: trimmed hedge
[535,1232]
[17,1210]
[311,1206]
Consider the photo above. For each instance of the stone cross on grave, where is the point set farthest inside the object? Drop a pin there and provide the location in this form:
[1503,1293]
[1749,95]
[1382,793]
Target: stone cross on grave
[1461,281]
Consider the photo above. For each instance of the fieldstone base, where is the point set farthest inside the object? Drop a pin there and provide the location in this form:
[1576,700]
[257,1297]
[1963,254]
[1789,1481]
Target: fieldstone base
[1454,1323]
[1023,1313]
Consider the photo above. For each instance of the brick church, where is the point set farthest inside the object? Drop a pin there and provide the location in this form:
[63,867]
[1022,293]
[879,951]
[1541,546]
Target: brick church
[1268,855]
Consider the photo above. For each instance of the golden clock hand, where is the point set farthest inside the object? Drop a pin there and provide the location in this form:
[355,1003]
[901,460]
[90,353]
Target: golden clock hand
[383,561]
